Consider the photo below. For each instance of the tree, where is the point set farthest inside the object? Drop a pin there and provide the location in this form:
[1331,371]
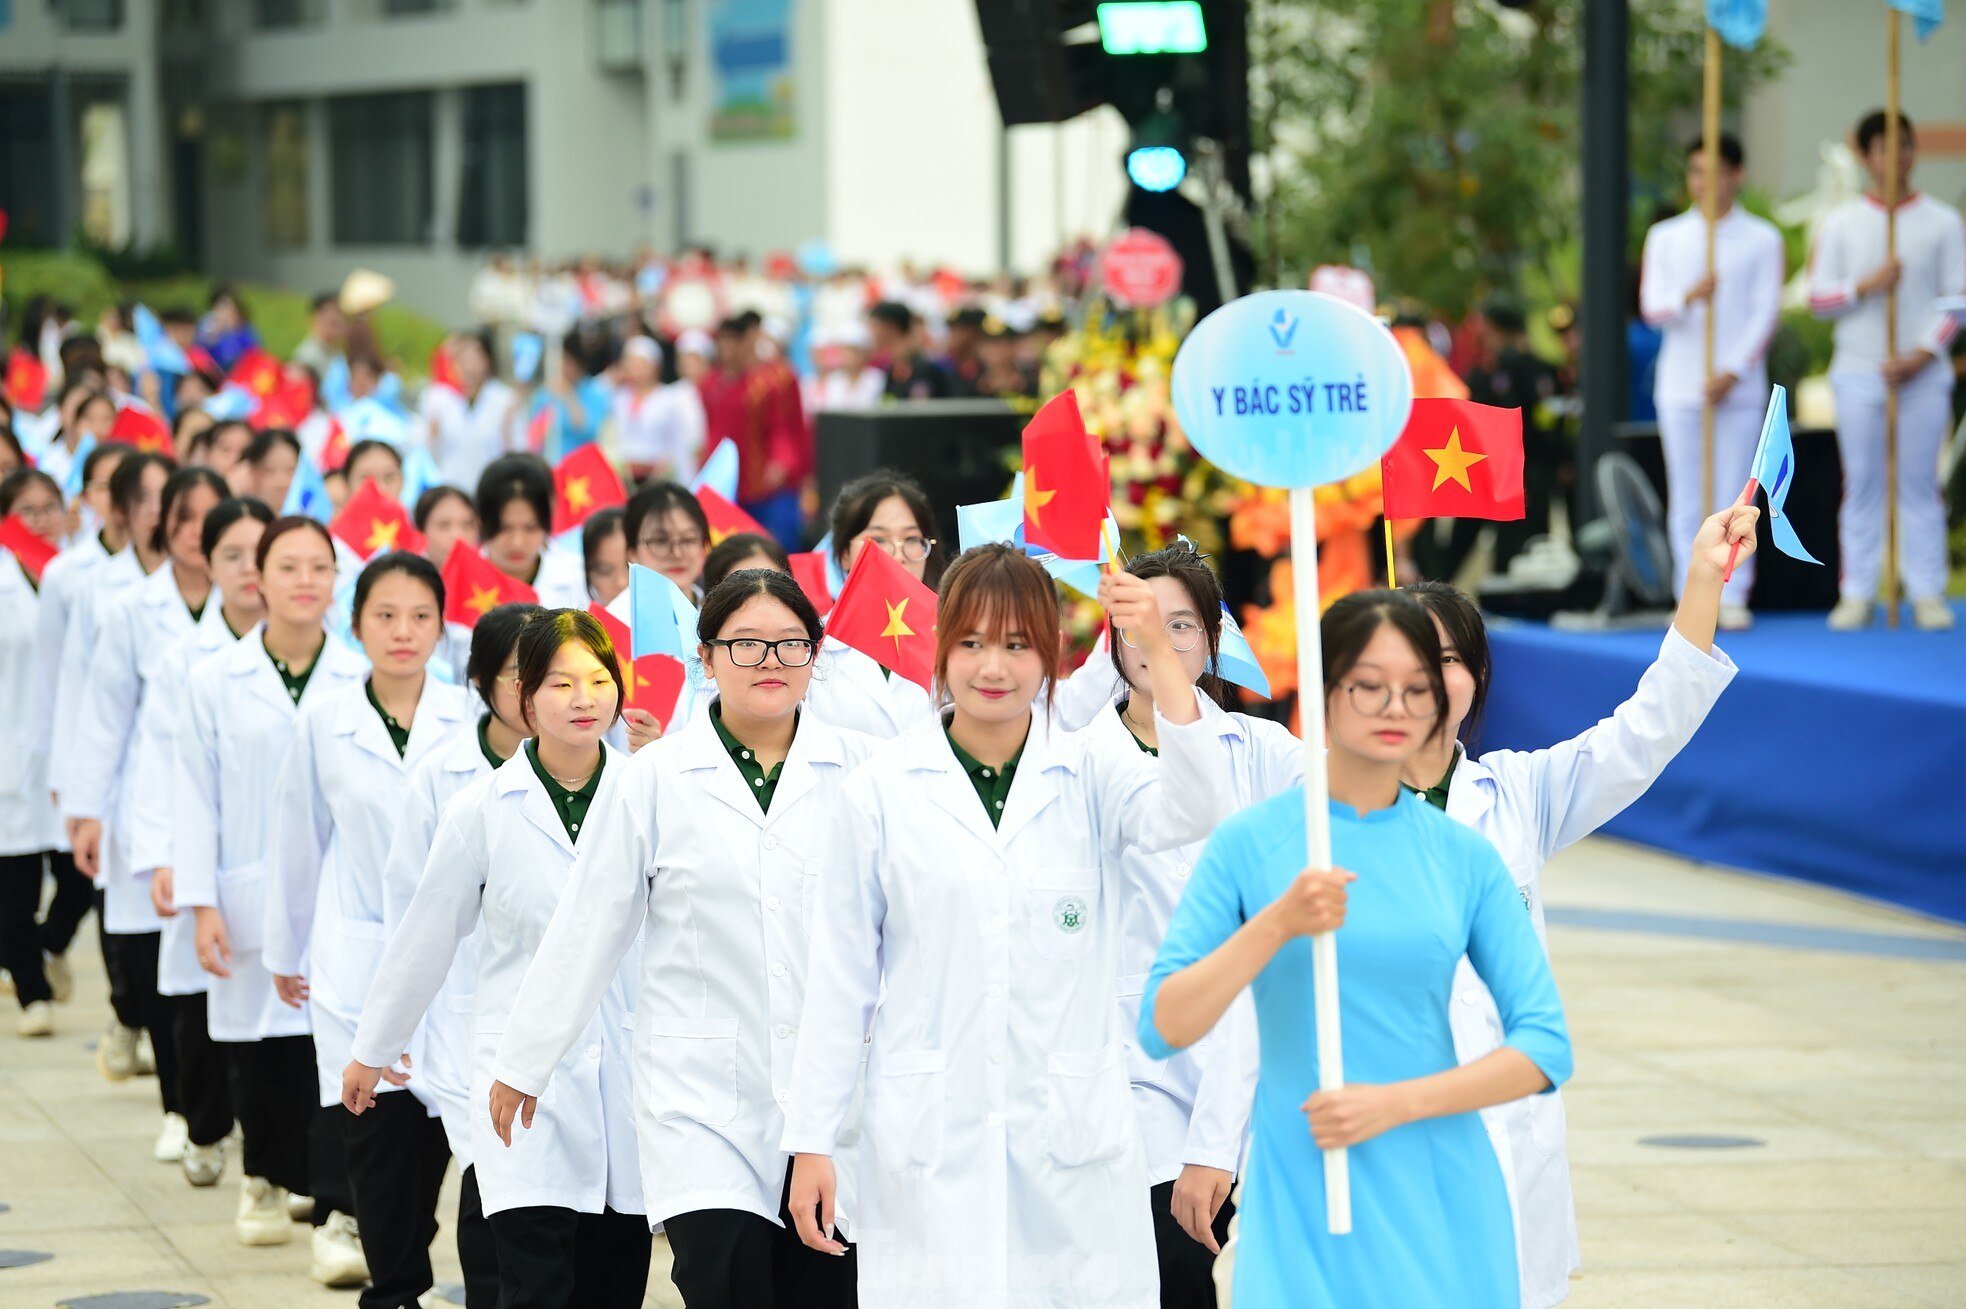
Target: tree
[1434,142]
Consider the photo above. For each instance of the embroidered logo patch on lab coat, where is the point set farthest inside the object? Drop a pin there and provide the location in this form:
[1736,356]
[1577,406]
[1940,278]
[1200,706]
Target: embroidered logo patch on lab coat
[1069,913]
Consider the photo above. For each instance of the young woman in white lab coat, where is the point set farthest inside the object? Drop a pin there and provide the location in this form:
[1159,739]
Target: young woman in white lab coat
[229,541]
[884,510]
[711,845]
[563,1194]
[230,740]
[966,933]
[29,826]
[443,1044]
[334,811]
[515,506]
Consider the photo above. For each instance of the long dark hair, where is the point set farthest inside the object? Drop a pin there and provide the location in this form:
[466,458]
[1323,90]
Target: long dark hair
[1184,564]
[492,641]
[1468,635]
[1348,627]
[735,549]
[180,484]
[541,639]
[227,512]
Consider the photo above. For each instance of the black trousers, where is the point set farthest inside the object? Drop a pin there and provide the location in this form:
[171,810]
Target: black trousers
[731,1259]
[1187,1269]
[132,962]
[20,934]
[204,1091]
[396,1160]
[291,1140]
[554,1258]
[73,897]
[477,1248]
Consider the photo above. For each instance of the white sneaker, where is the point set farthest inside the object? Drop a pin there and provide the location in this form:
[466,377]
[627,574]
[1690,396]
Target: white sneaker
[338,1257]
[300,1208]
[1852,614]
[262,1217]
[38,1019]
[61,980]
[203,1164]
[171,1140]
[116,1052]
[1735,618]
[146,1056]
[1931,614]
[6,982]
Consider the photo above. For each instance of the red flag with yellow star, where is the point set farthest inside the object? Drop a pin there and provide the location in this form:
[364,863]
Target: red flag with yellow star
[258,372]
[1068,483]
[582,483]
[726,519]
[31,551]
[138,425]
[1456,459]
[473,586]
[654,682]
[887,614]
[373,523]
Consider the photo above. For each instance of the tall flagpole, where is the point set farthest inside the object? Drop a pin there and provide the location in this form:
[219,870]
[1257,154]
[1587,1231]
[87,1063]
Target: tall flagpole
[1892,145]
[1710,203]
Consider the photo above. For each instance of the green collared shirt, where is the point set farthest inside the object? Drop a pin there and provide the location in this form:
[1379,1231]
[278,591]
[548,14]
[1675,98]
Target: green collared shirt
[1436,795]
[484,742]
[992,784]
[763,784]
[399,735]
[1120,709]
[295,682]
[570,805]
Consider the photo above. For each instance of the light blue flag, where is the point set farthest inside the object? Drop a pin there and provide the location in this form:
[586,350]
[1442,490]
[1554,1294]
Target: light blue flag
[1235,661]
[1003,520]
[528,348]
[162,354]
[334,385]
[719,471]
[371,419]
[307,494]
[1929,13]
[231,404]
[1739,22]
[661,619]
[420,473]
[1774,468]
[71,484]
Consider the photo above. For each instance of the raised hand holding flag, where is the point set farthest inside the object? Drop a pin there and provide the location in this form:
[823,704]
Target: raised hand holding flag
[654,683]
[308,494]
[1773,472]
[1068,484]
[887,614]
[1455,459]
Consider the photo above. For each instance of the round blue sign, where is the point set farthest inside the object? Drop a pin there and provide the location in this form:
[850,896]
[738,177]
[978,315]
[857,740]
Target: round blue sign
[1291,388]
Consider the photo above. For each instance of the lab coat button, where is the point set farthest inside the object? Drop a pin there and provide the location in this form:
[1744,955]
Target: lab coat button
[781,1096]
[995,1120]
[782,1031]
[1181,870]
[993,991]
[996,1056]
[771,902]
[778,970]
[771,843]
[593,1052]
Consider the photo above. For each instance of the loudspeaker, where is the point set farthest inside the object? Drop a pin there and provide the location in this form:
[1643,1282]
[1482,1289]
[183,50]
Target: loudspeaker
[961,451]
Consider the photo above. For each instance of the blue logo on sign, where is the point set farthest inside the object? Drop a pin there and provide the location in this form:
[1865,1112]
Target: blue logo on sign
[1282,329]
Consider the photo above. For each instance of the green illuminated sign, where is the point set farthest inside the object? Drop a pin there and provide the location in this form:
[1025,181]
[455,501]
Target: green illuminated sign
[1152,27]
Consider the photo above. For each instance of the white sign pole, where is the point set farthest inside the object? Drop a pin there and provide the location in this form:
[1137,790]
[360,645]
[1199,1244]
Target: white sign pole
[1317,833]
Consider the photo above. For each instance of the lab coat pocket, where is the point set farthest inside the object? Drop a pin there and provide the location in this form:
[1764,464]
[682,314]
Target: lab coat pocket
[1085,1114]
[242,903]
[1061,912]
[1547,1122]
[1142,1069]
[808,894]
[905,1118]
[690,1068]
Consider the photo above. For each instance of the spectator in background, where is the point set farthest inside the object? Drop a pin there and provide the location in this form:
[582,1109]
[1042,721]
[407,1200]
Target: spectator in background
[1642,342]
[469,427]
[568,411]
[226,333]
[845,379]
[120,347]
[962,360]
[1002,375]
[757,406]
[651,428]
[696,355]
[327,334]
[910,374]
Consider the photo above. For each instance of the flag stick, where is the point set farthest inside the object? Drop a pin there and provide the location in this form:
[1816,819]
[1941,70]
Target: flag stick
[1317,833]
[1892,145]
[1392,583]
[1734,554]
[1710,170]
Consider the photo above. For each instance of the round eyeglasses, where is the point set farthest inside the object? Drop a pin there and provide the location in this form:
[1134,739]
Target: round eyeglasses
[1184,633]
[744,652]
[1372,699]
[912,548]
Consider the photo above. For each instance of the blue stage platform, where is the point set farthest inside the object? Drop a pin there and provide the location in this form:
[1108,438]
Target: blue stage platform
[1837,758]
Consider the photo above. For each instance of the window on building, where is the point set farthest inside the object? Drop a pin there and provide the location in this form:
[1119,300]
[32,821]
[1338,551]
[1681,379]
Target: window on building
[91,15]
[380,152]
[285,204]
[492,209]
[398,8]
[105,168]
[271,15]
[28,186]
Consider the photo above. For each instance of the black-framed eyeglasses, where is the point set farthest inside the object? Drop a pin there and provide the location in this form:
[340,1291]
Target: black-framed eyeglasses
[912,548]
[1371,699]
[747,652]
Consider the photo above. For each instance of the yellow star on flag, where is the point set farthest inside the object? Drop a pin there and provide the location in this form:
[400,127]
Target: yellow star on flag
[1451,462]
[1034,499]
[382,535]
[483,600]
[897,625]
[578,496]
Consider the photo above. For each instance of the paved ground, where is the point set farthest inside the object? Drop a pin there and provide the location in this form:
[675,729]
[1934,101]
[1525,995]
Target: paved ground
[1704,1003]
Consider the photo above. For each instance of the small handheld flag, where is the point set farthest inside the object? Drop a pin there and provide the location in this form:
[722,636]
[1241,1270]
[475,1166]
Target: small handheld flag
[888,615]
[257,371]
[1068,485]
[371,523]
[1235,661]
[583,482]
[137,425]
[160,353]
[71,484]
[1773,472]
[726,519]
[473,586]
[719,471]
[31,551]
[654,682]
[232,403]
[527,350]
[420,473]
[1455,459]
[811,572]
[27,380]
[660,617]
[308,494]
[1739,22]
[1928,13]
[1003,520]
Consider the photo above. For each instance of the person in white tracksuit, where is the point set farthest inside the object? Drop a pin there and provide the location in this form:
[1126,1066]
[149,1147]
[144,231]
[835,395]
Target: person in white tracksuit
[229,542]
[964,947]
[132,634]
[712,845]
[443,1047]
[887,511]
[232,734]
[563,1191]
[334,811]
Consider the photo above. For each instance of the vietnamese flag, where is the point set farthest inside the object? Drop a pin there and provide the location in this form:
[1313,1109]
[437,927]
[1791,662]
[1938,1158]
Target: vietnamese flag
[888,615]
[583,482]
[443,372]
[27,380]
[1456,459]
[32,551]
[809,571]
[136,425]
[371,523]
[726,519]
[1068,484]
[654,682]
[258,372]
[473,586]
[286,405]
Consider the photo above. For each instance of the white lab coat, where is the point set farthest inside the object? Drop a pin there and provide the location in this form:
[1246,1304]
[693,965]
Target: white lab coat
[726,891]
[150,785]
[236,726]
[63,582]
[334,812]
[95,590]
[850,690]
[464,436]
[442,1045]
[133,632]
[1000,1162]
[500,864]
[561,581]
[28,822]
